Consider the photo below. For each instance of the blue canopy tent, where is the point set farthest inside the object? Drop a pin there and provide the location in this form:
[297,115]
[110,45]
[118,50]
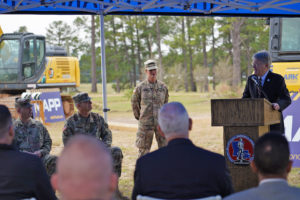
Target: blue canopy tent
[253,8]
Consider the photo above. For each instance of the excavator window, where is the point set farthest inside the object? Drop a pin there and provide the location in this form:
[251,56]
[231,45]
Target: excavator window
[9,58]
[28,62]
[40,49]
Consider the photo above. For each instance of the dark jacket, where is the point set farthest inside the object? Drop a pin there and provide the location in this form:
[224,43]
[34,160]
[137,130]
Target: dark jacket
[181,171]
[276,92]
[22,176]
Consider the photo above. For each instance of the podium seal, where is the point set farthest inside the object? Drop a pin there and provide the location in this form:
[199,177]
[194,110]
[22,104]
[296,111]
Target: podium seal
[240,150]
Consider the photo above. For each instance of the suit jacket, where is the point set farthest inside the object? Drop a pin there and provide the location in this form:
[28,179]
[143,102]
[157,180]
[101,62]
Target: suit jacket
[181,171]
[276,91]
[277,190]
[22,175]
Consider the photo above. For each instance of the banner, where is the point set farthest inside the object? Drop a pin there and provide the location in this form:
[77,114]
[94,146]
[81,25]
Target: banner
[292,128]
[53,107]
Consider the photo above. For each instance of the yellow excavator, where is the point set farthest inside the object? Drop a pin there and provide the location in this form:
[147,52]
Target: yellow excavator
[25,64]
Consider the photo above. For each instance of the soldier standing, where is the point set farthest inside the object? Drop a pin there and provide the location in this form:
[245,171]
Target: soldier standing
[90,123]
[146,101]
[31,136]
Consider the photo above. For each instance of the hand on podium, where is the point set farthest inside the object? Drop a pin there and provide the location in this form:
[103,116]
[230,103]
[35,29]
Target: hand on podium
[275,106]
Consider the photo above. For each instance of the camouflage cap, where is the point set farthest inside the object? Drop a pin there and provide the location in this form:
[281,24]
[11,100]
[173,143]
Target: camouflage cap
[23,102]
[150,64]
[81,97]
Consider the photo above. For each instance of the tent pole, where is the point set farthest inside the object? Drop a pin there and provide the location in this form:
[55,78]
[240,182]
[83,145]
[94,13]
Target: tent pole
[103,66]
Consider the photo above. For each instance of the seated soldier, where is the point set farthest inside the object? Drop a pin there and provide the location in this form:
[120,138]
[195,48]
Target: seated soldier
[89,123]
[31,136]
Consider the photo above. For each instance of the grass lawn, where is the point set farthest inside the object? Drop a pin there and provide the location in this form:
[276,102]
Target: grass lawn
[203,134]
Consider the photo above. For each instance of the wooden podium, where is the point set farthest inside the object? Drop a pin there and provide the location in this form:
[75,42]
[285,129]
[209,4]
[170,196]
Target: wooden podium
[244,120]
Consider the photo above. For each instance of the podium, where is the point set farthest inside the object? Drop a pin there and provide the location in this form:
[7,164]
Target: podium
[244,120]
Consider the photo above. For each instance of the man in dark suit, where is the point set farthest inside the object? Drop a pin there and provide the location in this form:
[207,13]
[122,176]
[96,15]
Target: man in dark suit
[266,84]
[272,164]
[22,175]
[180,170]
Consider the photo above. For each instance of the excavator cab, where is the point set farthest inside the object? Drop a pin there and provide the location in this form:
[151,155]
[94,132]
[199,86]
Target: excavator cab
[22,60]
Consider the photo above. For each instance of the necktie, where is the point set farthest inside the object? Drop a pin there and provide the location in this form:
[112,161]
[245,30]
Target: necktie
[259,87]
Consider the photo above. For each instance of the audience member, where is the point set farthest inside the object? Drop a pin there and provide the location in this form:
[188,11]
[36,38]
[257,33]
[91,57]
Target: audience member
[85,171]
[32,136]
[22,175]
[180,170]
[272,165]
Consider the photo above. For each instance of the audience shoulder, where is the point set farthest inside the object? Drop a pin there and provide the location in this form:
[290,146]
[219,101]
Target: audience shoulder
[249,193]
[152,156]
[29,158]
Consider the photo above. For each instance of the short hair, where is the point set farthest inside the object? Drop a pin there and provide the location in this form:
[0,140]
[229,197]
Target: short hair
[263,56]
[5,120]
[271,154]
[173,118]
[84,169]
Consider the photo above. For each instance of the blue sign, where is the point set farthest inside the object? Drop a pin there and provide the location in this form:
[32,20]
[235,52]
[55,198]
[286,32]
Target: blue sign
[53,108]
[292,128]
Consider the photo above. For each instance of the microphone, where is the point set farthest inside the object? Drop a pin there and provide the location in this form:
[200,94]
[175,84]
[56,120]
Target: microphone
[259,87]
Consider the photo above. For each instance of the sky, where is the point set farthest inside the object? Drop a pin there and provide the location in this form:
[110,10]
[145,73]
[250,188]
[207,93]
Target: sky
[36,24]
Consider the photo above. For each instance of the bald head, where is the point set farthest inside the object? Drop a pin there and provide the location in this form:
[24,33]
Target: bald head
[174,120]
[84,170]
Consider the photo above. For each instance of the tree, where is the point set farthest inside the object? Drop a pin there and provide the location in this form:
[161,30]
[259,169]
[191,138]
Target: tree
[22,29]
[236,51]
[191,75]
[61,34]
[93,51]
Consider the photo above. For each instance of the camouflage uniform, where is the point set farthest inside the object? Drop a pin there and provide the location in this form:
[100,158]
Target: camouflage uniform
[146,101]
[33,136]
[93,125]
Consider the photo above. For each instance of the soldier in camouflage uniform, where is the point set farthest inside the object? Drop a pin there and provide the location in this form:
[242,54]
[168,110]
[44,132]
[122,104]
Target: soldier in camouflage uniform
[89,123]
[31,136]
[146,101]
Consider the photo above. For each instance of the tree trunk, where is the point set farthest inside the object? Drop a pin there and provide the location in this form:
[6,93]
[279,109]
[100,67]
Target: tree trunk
[138,49]
[93,51]
[206,86]
[236,51]
[126,53]
[116,61]
[213,55]
[158,42]
[184,64]
[192,82]
[148,39]
[132,53]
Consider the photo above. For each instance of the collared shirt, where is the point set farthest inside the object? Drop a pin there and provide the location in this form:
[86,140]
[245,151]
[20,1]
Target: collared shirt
[268,180]
[263,78]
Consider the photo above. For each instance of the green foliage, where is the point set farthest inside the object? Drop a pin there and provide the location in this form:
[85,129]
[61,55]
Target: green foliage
[128,93]
[22,29]
[130,40]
